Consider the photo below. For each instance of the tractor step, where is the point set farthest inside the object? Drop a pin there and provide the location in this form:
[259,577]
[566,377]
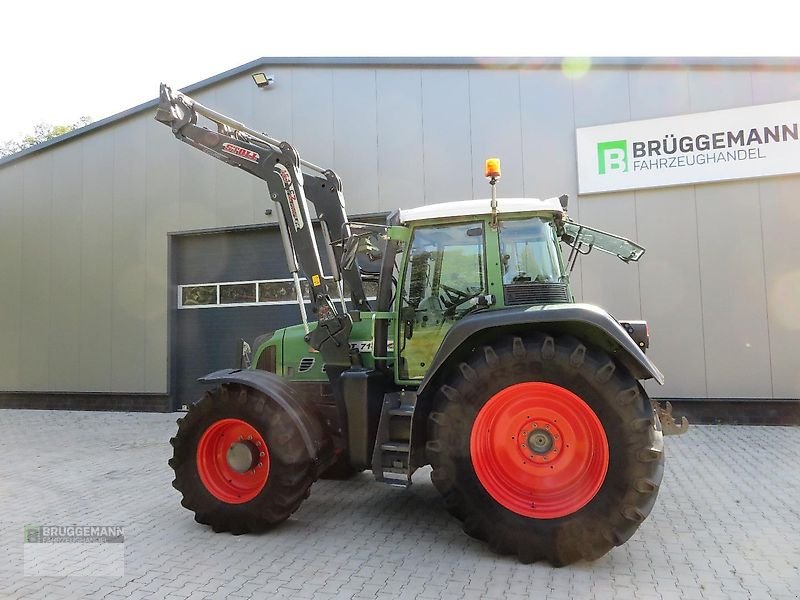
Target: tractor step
[391,459]
[396,446]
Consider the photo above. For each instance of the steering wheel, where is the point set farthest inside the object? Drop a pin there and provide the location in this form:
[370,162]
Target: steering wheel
[454,296]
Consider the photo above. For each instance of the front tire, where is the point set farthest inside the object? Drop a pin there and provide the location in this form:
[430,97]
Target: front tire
[240,461]
[546,449]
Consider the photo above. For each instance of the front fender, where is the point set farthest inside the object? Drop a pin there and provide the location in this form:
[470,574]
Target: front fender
[586,321]
[300,410]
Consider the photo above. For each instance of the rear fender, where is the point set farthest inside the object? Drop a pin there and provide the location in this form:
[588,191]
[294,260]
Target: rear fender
[301,410]
[585,321]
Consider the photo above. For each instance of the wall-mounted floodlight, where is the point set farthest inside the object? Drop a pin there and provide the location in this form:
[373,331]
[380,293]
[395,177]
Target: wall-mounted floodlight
[263,80]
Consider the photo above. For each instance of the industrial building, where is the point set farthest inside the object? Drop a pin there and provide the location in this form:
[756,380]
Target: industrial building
[131,264]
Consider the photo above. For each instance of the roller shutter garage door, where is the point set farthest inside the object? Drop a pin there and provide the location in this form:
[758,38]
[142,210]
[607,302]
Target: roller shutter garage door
[226,286]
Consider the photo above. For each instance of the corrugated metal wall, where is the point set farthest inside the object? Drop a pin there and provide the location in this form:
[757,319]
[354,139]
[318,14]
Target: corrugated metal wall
[83,225]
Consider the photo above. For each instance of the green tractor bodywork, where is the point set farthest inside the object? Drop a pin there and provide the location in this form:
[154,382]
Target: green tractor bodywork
[450,270]
[478,257]
[472,356]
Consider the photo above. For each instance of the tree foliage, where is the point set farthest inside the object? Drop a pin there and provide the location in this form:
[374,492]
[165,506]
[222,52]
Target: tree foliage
[42,132]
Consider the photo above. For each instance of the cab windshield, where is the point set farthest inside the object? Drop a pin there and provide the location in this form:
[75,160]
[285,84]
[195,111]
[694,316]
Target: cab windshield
[529,251]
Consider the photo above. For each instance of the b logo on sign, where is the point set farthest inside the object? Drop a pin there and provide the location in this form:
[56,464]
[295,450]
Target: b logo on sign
[612,157]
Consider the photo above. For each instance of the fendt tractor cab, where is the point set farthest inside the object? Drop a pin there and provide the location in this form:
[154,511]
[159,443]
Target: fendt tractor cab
[447,337]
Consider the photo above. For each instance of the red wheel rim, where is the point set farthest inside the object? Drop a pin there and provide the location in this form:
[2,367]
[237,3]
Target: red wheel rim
[233,461]
[539,450]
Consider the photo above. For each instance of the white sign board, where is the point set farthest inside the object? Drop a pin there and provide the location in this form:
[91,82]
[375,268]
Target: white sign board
[753,141]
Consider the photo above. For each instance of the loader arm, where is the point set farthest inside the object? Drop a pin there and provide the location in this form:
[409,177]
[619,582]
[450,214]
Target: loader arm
[325,193]
[280,166]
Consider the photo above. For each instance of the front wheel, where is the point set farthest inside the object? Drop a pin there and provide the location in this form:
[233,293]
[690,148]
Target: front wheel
[546,449]
[240,461]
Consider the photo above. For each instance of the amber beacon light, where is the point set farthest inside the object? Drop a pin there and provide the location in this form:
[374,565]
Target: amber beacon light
[493,174]
[492,168]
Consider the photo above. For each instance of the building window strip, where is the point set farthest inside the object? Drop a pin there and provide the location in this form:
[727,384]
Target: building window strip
[224,294]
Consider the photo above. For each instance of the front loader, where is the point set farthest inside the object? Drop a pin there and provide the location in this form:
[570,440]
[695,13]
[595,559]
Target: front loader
[472,357]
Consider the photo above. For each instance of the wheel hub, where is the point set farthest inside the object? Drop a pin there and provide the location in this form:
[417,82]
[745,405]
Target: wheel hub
[540,441]
[242,456]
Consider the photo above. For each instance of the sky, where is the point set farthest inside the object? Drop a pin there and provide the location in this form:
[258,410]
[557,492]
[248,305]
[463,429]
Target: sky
[62,60]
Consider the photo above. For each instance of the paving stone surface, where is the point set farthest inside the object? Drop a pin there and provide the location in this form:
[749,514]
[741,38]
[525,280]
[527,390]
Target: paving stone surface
[726,525]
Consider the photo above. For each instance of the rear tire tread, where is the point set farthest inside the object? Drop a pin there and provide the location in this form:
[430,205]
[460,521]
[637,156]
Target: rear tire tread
[617,398]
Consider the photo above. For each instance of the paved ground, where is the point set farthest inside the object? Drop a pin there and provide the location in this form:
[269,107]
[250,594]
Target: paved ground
[727,525]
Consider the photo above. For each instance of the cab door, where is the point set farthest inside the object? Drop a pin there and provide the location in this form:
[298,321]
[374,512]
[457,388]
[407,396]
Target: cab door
[444,271]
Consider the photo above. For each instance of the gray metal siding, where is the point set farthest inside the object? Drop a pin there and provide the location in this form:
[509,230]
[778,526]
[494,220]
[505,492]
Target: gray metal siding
[83,250]
[733,293]
[496,130]
[65,293]
[12,184]
[446,137]
[548,164]
[355,133]
[780,224]
[128,258]
[401,164]
[313,114]
[36,327]
[96,306]
[670,287]
[162,209]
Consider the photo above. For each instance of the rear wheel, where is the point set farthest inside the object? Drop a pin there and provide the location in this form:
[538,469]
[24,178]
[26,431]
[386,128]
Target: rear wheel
[240,461]
[546,449]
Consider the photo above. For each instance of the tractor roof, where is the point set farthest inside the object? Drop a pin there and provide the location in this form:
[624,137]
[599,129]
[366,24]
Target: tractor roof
[468,208]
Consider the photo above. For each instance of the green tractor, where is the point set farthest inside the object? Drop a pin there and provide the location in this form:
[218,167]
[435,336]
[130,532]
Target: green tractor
[453,341]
